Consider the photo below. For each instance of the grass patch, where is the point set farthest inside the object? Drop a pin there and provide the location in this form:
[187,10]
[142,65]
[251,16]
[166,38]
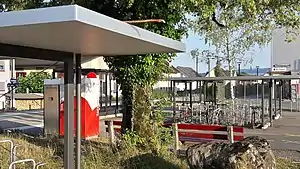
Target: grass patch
[283,163]
[96,155]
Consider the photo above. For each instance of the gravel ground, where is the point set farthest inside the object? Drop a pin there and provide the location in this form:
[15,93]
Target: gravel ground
[293,155]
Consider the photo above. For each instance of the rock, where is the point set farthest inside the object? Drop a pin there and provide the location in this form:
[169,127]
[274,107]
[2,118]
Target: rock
[251,153]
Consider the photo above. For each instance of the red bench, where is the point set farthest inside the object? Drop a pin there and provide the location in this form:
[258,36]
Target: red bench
[192,132]
[200,132]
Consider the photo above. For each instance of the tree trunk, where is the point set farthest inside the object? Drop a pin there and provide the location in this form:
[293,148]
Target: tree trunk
[127,95]
[143,121]
[231,82]
[229,60]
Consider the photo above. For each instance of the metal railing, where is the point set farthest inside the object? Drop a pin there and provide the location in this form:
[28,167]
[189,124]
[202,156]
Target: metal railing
[13,156]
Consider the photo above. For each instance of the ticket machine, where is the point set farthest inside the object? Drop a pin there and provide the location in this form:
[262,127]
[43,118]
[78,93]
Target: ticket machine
[54,107]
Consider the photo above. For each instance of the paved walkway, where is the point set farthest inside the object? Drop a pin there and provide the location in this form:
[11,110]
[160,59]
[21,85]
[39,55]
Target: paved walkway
[284,135]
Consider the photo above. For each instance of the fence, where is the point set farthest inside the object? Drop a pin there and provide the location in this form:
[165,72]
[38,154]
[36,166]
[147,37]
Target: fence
[248,101]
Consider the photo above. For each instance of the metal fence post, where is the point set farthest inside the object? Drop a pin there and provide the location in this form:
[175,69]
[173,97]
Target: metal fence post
[280,97]
[270,101]
[262,103]
[176,137]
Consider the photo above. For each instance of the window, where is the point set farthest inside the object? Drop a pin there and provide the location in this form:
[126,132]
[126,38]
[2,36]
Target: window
[2,67]
[20,74]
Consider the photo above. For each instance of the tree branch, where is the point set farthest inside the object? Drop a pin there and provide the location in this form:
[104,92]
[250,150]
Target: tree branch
[214,18]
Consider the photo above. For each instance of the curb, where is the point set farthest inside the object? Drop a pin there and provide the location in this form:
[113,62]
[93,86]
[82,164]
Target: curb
[111,116]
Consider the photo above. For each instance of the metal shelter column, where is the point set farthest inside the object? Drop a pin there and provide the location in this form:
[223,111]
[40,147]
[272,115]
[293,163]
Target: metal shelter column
[262,103]
[280,97]
[106,94]
[68,113]
[173,84]
[270,100]
[117,100]
[110,94]
[12,92]
[78,110]
[275,97]
[53,74]
[191,95]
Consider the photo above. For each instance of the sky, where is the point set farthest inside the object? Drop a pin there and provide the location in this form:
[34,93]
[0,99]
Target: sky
[261,57]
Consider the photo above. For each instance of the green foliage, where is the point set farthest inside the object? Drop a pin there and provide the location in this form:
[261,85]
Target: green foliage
[235,27]
[96,154]
[130,140]
[260,15]
[34,81]
[159,94]
[149,134]
[218,69]
[13,5]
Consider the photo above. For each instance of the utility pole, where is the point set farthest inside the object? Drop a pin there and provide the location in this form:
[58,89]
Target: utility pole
[239,68]
[257,67]
[197,64]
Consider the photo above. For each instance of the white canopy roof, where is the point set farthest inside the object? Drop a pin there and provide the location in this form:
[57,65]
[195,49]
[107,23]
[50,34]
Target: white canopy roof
[78,30]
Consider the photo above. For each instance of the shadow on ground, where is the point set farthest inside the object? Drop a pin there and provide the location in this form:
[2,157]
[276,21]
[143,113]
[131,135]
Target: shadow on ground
[148,161]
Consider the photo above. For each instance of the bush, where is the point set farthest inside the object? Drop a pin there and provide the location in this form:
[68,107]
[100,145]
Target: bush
[34,81]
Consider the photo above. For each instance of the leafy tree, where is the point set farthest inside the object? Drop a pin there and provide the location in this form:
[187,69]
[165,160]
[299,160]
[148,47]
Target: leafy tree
[12,5]
[261,15]
[204,56]
[34,81]
[218,68]
[235,27]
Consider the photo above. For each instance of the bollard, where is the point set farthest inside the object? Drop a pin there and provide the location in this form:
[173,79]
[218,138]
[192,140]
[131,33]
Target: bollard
[111,132]
[230,134]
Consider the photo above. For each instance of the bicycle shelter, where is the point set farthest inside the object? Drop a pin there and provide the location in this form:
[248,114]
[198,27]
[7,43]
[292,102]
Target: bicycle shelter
[202,90]
[66,34]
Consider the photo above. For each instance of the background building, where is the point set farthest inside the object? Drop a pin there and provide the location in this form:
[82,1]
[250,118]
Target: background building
[283,52]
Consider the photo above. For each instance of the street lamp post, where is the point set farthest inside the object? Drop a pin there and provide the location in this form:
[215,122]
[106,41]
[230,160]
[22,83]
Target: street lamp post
[257,67]
[239,68]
